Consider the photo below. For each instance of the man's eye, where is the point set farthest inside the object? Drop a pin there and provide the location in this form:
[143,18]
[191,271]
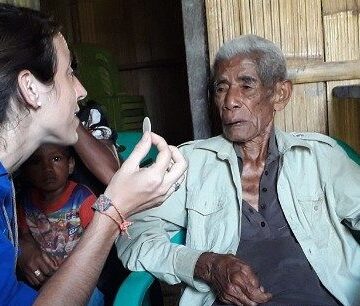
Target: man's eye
[57,158]
[220,88]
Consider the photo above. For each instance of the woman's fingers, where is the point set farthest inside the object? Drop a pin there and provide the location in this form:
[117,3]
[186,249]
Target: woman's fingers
[175,174]
[164,156]
[133,189]
[141,149]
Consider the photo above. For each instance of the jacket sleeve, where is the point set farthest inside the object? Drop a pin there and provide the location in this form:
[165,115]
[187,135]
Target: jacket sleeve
[345,187]
[12,292]
[149,247]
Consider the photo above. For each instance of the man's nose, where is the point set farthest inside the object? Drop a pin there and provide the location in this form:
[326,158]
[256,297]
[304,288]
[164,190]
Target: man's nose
[232,99]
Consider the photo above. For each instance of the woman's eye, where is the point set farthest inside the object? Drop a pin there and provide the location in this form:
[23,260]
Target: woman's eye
[57,158]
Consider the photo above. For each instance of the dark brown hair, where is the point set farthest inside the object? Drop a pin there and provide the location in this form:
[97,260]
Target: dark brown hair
[26,43]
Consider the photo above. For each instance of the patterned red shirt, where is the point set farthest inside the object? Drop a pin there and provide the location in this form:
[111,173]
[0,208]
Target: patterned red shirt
[57,226]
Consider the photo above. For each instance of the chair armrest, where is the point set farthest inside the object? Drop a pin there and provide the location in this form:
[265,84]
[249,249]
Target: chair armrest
[133,290]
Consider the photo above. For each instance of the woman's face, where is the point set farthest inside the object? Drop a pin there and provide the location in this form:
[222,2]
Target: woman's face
[60,103]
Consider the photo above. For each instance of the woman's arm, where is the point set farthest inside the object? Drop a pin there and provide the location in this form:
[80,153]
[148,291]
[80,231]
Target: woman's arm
[99,156]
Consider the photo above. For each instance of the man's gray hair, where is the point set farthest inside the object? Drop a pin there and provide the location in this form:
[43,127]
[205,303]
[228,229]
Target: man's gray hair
[270,60]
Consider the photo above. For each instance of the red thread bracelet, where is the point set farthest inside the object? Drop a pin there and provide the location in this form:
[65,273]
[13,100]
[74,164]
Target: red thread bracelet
[102,204]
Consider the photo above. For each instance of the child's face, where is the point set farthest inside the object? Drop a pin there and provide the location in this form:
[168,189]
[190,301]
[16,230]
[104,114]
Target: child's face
[49,167]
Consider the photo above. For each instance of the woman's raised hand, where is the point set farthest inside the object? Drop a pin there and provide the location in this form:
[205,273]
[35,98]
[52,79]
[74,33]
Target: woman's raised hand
[133,189]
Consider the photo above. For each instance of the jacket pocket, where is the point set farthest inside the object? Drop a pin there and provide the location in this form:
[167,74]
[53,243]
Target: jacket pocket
[204,203]
[315,211]
[205,218]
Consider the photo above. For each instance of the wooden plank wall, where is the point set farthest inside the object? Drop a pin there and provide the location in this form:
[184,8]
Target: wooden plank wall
[307,31]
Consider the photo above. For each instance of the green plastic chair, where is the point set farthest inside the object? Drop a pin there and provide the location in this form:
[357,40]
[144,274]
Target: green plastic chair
[126,142]
[99,74]
[134,290]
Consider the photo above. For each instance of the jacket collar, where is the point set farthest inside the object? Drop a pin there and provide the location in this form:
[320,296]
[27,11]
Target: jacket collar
[224,148]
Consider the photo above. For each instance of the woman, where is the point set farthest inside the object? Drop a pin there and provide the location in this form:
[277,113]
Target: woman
[38,104]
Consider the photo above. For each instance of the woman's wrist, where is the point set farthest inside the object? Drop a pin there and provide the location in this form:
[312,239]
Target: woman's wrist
[103,222]
[107,207]
[118,204]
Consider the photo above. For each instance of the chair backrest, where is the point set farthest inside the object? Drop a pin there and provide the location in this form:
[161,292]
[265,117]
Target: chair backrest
[97,70]
[349,151]
[126,142]
[356,158]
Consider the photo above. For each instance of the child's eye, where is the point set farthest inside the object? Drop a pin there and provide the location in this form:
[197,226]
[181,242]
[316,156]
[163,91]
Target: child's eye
[57,158]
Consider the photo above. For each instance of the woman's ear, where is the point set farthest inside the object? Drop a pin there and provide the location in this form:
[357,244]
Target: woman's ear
[282,94]
[29,88]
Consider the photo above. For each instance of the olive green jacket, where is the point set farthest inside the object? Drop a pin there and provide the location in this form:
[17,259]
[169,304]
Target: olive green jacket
[318,188]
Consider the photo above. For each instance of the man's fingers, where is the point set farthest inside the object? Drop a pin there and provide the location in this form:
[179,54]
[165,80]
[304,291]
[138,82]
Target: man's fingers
[141,149]
[250,276]
[237,294]
[256,295]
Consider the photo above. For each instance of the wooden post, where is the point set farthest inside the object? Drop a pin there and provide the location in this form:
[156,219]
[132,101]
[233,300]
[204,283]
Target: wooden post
[197,65]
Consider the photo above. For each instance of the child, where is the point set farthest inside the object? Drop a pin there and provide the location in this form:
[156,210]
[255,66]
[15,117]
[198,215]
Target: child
[53,210]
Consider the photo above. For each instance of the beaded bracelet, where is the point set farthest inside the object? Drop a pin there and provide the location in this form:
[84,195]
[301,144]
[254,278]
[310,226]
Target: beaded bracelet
[102,204]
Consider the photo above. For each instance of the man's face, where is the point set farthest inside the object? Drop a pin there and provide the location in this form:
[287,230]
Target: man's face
[245,106]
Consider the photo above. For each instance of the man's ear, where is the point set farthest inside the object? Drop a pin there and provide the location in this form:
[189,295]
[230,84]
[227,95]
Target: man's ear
[71,164]
[282,94]
[29,88]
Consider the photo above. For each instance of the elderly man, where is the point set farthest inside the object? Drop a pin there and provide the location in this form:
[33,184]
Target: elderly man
[267,213]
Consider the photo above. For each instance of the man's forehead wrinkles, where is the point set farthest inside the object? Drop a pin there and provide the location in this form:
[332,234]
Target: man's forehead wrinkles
[221,78]
[247,78]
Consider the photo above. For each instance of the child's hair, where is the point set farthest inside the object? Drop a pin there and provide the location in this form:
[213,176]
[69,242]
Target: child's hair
[68,150]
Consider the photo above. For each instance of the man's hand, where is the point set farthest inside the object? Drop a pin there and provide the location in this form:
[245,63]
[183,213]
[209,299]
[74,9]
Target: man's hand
[36,265]
[232,280]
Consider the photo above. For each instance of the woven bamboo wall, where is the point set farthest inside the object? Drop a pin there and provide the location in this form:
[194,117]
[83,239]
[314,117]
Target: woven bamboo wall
[307,31]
